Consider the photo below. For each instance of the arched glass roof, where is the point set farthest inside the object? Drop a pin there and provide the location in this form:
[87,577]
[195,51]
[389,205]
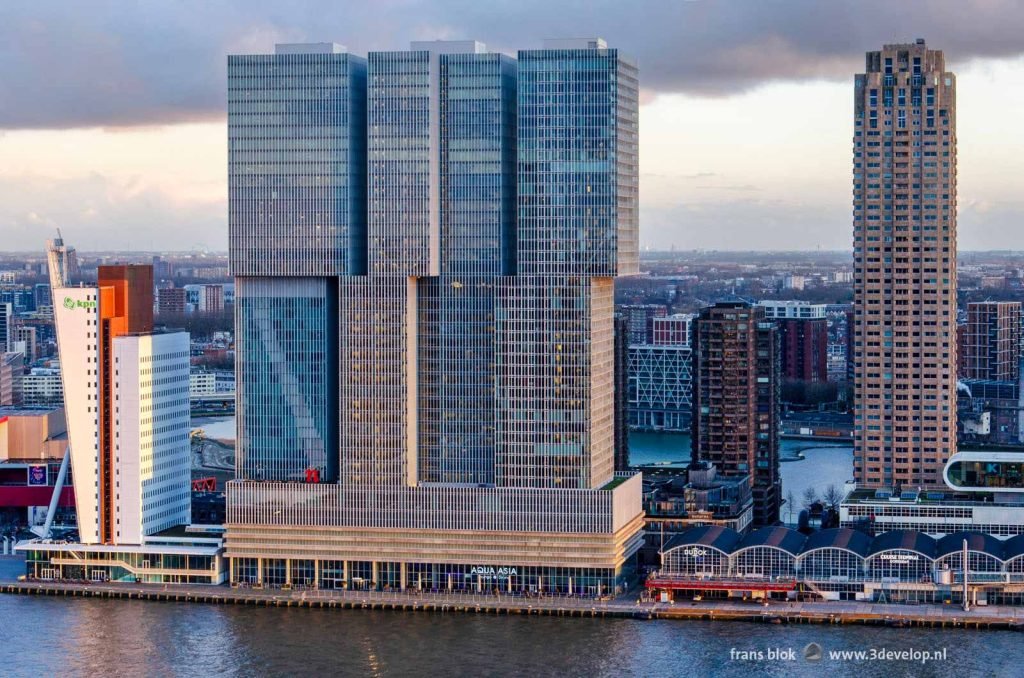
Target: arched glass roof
[779,537]
[715,536]
[839,538]
[976,541]
[908,540]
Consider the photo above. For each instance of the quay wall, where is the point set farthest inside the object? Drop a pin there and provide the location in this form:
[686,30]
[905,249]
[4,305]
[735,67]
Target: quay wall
[928,616]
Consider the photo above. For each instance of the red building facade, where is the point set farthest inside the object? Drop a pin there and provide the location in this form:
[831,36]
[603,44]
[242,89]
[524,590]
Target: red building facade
[804,349]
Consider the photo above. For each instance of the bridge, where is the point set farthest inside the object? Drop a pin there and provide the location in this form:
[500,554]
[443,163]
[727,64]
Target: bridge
[213,403]
[212,398]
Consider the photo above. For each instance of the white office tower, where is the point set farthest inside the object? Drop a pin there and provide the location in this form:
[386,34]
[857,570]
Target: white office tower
[152,466]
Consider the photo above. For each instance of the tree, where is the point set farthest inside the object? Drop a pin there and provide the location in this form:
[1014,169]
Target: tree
[833,496]
[791,503]
[810,497]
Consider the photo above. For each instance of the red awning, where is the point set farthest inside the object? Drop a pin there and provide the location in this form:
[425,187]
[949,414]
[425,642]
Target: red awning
[24,495]
[674,584]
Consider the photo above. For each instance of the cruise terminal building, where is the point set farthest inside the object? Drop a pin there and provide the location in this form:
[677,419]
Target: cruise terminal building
[841,564]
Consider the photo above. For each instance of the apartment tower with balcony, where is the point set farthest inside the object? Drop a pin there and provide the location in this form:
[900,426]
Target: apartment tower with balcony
[992,341]
[904,238]
[736,400]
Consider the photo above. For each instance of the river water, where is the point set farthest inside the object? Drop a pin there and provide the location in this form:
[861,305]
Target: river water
[805,463]
[88,637]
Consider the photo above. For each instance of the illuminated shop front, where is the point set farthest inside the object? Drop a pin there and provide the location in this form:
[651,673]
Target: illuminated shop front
[427,577]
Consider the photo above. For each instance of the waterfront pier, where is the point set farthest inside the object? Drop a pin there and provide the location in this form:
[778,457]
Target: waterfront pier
[626,606]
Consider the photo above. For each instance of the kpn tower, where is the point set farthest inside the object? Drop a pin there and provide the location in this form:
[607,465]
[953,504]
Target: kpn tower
[127,407]
[425,244]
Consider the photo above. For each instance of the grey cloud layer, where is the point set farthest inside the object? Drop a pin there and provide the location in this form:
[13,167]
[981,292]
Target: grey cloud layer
[98,212]
[105,63]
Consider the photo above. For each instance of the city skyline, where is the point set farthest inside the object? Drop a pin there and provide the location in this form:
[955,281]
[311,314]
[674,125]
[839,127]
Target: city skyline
[415,378]
[136,161]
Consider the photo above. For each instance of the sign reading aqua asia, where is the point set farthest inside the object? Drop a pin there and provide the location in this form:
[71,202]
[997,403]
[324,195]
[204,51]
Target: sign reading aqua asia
[493,573]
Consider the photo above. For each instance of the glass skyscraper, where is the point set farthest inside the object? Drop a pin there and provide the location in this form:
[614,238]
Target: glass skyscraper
[297,162]
[425,331]
[297,221]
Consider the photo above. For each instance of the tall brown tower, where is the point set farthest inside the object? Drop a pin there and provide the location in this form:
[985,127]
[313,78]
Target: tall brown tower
[736,399]
[904,244]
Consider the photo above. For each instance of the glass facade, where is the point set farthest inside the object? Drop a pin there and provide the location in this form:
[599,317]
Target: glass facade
[297,218]
[376,363]
[660,387]
[403,173]
[286,390]
[831,563]
[448,507]
[696,561]
[477,151]
[297,164]
[441,141]
[848,556]
[994,474]
[427,577]
[899,565]
[456,380]
[1015,568]
[577,182]
[70,563]
[450,384]
[979,565]
[764,562]
[441,154]
[554,376]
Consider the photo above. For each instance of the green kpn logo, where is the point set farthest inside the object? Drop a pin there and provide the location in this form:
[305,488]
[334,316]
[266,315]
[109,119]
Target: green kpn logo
[71,304]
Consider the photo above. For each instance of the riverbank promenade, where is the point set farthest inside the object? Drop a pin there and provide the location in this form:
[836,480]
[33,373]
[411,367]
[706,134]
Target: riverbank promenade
[625,606]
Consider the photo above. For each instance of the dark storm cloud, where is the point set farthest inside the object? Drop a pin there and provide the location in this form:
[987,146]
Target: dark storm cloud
[73,64]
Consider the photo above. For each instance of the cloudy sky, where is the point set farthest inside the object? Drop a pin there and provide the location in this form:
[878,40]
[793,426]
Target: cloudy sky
[112,114]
